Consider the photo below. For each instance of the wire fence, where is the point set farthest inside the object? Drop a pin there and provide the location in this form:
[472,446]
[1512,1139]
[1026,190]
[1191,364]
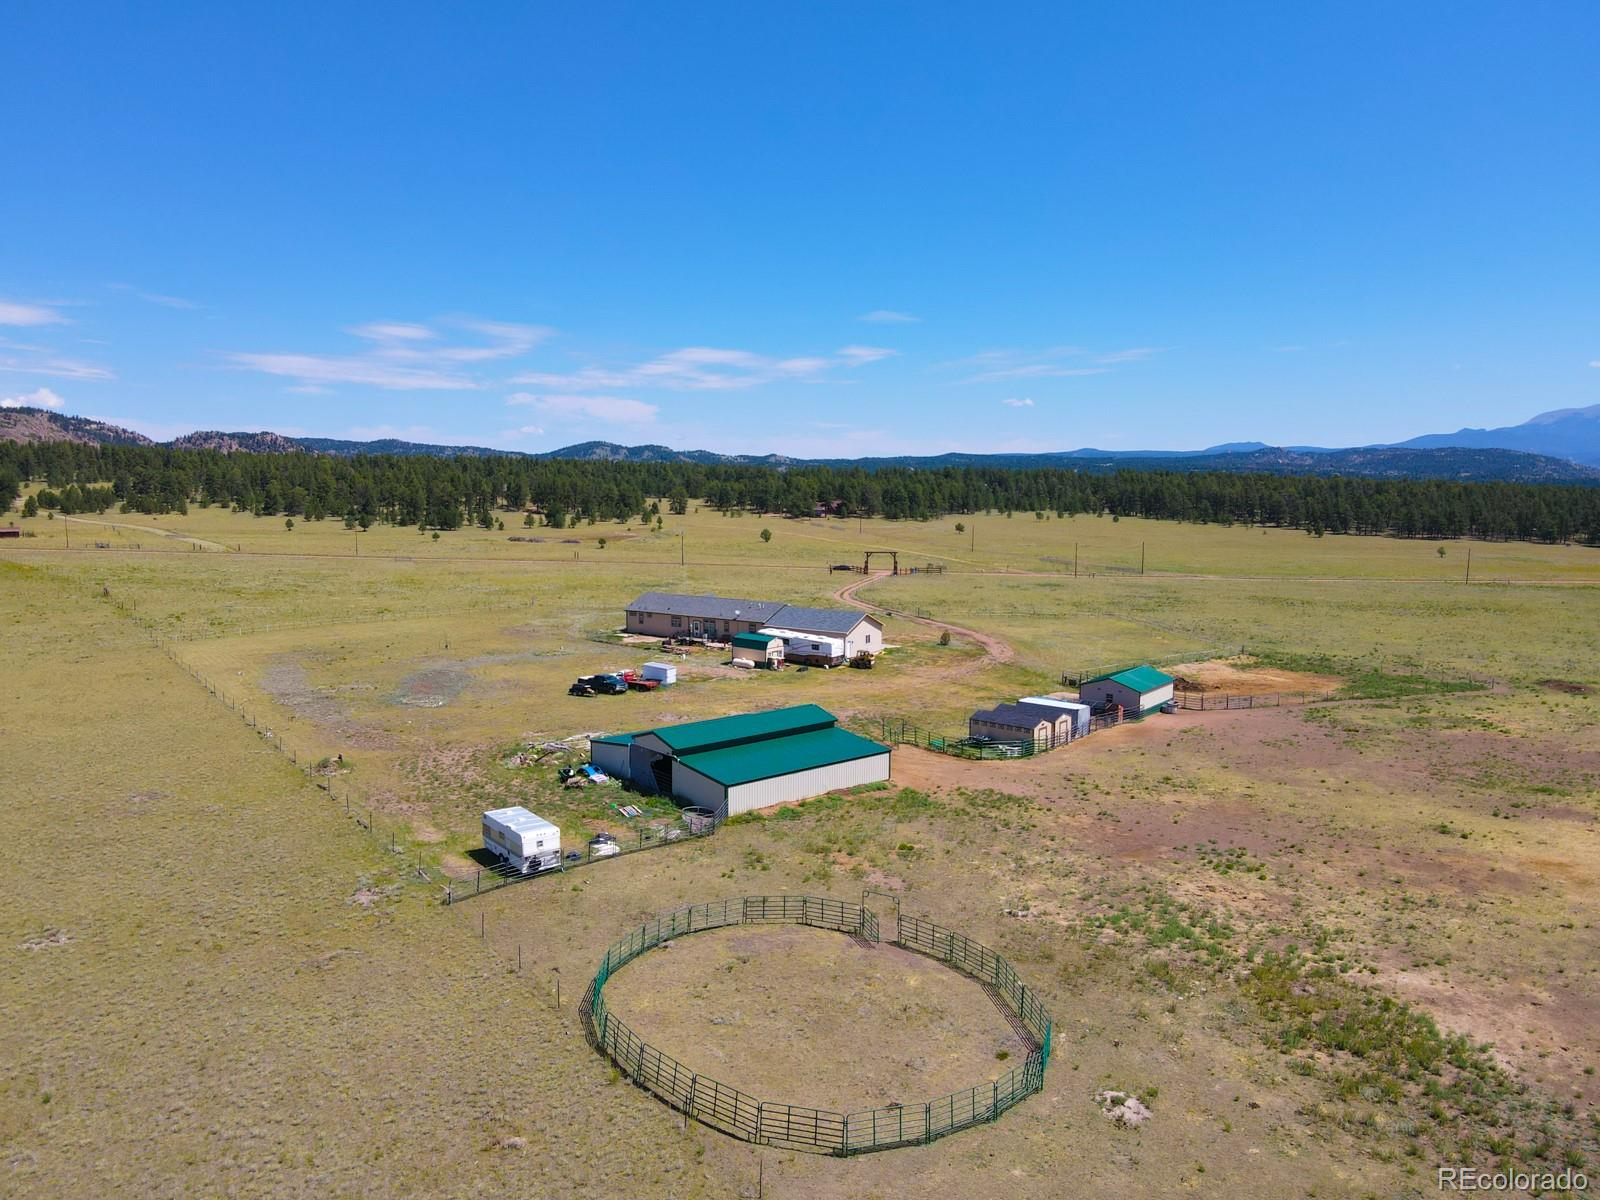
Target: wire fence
[690,824]
[322,770]
[789,1126]
[965,745]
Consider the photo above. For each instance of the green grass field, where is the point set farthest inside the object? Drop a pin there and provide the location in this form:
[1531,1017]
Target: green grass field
[1332,947]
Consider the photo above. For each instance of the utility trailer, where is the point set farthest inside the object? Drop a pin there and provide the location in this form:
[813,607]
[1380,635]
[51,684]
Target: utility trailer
[523,840]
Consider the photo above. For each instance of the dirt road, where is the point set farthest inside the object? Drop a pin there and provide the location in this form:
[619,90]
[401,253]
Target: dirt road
[996,649]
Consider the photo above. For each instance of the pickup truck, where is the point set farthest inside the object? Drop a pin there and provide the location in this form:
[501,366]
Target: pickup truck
[598,685]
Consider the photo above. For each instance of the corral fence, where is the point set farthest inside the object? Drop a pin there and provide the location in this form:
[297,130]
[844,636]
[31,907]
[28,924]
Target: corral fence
[823,1131]
[961,745]
[690,824]
[1199,701]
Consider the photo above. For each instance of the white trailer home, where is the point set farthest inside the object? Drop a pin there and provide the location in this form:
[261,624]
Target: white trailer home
[522,839]
[815,649]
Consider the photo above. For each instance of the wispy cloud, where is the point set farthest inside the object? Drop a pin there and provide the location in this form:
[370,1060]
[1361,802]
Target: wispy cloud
[705,369]
[153,297]
[38,398]
[1122,356]
[39,360]
[571,409]
[857,356]
[1023,402]
[888,316]
[1052,362]
[15,312]
[319,369]
[404,356]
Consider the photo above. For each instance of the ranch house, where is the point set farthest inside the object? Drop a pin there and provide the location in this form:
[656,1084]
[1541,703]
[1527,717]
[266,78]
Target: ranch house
[671,614]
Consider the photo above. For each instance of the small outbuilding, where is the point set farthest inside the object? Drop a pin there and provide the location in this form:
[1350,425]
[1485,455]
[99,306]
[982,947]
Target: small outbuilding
[1080,711]
[1138,690]
[1043,725]
[664,674]
[758,650]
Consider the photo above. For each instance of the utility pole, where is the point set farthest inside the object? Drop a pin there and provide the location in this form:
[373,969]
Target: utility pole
[680,547]
[974,543]
[1141,558]
[1469,564]
[1074,560]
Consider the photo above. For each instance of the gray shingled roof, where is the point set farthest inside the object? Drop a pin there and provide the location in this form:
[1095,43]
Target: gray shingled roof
[1015,716]
[817,620]
[721,608]
[763,612]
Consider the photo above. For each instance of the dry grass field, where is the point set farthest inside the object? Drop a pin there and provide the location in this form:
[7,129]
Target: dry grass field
[1331,947]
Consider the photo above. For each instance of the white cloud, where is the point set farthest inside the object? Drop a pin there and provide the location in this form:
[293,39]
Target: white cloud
[392,331]
[153,297]
[404,356]
[39,398]
[1133,355]
[1052,362]
[14,312]
[704,369]
[328,368]
[888,316]
[1024,402]
[45,363]
[856,356]
[569,409]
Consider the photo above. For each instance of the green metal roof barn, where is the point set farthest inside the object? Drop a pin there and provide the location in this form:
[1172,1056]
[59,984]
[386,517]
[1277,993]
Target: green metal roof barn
[736,764]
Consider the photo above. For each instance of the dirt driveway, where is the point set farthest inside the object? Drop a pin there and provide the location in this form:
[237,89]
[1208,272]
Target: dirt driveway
[993,647]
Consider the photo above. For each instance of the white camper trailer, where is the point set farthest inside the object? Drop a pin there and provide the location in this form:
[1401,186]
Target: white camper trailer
[664,674]
[522,839]
[816,649]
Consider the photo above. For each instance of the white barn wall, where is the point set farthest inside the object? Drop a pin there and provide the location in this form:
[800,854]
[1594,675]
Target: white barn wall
[612,759]
[802,785]
[1109,691]
[688,784]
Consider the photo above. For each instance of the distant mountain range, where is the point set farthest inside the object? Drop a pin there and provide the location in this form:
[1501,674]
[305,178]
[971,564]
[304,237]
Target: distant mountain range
[1554,447]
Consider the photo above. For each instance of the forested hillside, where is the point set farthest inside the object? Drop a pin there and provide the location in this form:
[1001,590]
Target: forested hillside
[445,493]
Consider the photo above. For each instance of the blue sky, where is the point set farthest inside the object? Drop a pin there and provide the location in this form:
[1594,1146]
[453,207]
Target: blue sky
[818,228]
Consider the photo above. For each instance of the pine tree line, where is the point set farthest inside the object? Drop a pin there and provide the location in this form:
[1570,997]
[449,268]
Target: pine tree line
[445,493]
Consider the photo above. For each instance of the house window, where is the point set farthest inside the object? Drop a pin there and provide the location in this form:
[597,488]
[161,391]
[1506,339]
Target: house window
[677,622]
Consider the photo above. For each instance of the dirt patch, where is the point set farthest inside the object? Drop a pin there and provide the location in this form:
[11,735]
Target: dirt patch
[1239,677]
[431,687]
[1567,686]
[810,1017]
[287,683]
[46,940]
